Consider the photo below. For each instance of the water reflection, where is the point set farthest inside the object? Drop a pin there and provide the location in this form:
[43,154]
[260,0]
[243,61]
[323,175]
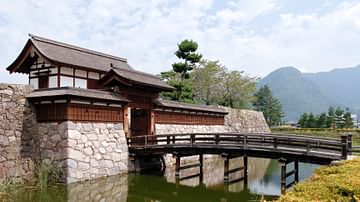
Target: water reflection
[263,179]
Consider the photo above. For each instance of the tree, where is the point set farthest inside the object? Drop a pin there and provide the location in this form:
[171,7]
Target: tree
[311,122]
[187,52]
[339,117]
[179,77]
[269,105]
[206,80]
[237,90]
[321,120]
[348,120]
[330,118]
[173,79]
[303,120]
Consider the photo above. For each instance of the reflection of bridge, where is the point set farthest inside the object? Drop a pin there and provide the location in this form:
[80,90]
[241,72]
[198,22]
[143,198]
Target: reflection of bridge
[286,148]
[153,188]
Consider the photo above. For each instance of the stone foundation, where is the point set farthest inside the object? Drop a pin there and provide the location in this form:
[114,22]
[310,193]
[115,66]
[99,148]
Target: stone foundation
[95,150]
[85,150]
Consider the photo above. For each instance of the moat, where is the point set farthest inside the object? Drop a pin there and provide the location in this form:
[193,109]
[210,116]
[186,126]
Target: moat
[263,182]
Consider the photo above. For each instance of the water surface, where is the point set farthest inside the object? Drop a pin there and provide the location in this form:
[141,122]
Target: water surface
[263,182]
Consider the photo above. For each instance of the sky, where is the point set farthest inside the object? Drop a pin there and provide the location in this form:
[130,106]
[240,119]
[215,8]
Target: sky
[254,36]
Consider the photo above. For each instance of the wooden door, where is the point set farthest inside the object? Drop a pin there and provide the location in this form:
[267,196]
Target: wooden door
[139,124]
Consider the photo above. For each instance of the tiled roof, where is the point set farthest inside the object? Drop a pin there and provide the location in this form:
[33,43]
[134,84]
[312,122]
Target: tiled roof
[76,92]
[68,54]
[179,105]
[137,77]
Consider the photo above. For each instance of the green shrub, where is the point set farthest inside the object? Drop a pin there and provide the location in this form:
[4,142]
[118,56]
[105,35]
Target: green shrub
[331,183]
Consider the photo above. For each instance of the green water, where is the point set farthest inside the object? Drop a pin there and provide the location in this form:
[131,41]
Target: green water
[263,182]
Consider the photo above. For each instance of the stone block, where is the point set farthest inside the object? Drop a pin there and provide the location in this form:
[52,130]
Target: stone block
[94,163]
[116,157]
[88,151]
[74,154]
[112,171]
[71,163]
[102,150]
[75,173]
[74,134]
[83,166]
[106,163]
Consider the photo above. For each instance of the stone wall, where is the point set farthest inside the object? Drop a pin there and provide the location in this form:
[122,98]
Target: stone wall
[245,121]
[81,150]
[177,128]
[16,120]
[238,120]
[84,150]
[95,150]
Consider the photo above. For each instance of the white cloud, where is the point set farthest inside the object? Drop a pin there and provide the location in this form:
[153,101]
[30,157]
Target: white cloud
[146,33]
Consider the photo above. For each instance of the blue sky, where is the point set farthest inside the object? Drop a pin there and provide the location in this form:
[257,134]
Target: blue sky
[255,36]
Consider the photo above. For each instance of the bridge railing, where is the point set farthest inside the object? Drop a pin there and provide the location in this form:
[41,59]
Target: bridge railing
[295,143]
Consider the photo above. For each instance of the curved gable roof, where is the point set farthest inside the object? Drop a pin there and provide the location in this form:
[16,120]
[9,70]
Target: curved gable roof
[66,54]
[135,77]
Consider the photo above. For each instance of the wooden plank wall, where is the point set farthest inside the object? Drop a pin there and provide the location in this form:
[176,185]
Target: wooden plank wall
[78,112]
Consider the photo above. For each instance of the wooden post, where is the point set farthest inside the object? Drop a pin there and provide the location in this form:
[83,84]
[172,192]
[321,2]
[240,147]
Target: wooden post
[275,142]
[282,163]
[126,120]
[177,166]
[344,146]
[307,147]
[245,141]
[349,143]
[201,161]
[245,158]
[296,167]
[192,139]
[226,168]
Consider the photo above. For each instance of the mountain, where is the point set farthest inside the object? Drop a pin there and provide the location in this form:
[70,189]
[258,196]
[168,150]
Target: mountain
[299,92]
[339,84]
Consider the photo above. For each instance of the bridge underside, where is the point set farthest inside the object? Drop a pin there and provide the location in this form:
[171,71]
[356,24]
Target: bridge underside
[270,154]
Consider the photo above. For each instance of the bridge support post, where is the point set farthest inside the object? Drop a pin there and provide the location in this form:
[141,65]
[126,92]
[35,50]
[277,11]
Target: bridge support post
[344,146]
[349,140]
[296,168]
[226,168]
[177,166]
[245,158]
[201,160]
[282,163]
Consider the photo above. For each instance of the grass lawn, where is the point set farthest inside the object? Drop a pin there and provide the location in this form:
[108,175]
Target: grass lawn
[331,183]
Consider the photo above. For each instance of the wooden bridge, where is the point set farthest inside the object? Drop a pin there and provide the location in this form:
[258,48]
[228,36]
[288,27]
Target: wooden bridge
[285,148]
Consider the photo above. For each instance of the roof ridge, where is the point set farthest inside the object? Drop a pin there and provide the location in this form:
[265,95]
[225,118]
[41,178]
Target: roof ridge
[85,50]
[190,104]
[138,72]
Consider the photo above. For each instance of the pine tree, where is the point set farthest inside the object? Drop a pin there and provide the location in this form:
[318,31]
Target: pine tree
[303,120]
[311,122]
[348,120]
[321,121]
[179,77]
[330,117]
[269,105]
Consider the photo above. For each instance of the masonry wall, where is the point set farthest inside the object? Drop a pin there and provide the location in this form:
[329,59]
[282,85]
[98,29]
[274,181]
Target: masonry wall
[95,150]
[16,120]
[80,150]
[238,120]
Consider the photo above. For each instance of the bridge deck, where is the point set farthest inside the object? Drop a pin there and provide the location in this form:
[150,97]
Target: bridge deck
[292,147]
